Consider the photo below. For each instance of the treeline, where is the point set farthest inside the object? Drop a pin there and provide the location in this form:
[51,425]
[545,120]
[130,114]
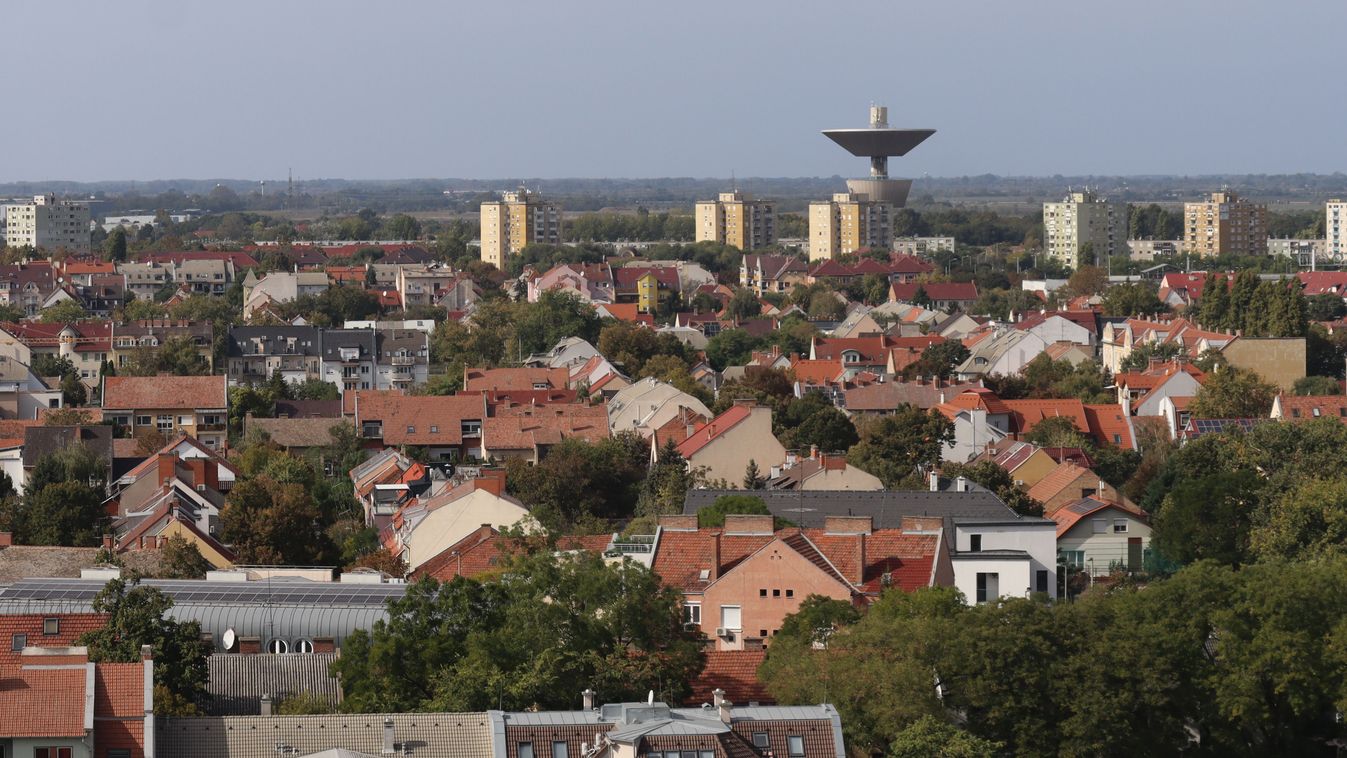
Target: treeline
[1212,661]
[621,227]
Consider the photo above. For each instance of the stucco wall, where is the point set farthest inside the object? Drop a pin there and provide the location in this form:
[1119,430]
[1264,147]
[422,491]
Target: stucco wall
[1280,361]
[1107,547]
[447,525]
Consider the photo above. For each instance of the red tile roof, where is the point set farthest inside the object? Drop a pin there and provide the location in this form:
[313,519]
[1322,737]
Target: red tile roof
[419,419]
[958,291]
[714,429]
[735,672]
[1057,480]
[43,702]
[526,427]
[1071,513]
[523,378]
[71,626]
[819,372]
[1305,407]
[180,392]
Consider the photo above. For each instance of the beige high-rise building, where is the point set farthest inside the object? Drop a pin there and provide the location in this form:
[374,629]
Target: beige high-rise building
[1335,229]
[847,223]
[515,221]
[1225,225]
[736,219]
[47,223]
[1084,226]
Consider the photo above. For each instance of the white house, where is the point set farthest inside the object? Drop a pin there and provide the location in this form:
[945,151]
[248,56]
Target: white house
[1004,354]
[1099,537]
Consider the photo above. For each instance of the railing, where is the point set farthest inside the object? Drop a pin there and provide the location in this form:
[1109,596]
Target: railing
[403,360]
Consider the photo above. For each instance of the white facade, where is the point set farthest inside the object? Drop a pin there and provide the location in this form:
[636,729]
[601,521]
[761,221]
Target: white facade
[1335,228]
[1108,539]
[47,223]
[1057,328]
[1084,219]
[1015,558]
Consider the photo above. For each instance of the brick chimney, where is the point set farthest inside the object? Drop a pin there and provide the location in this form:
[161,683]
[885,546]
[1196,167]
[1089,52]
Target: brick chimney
[715,555]
[107,542]
[492,480]
[743,523]
[681,522]
[848,524]
[6,539]
[168,463]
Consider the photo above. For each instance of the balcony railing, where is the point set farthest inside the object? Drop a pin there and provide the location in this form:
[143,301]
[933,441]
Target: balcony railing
[403,360]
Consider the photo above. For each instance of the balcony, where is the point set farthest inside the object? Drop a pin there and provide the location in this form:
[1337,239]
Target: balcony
[403,360]
[209,427]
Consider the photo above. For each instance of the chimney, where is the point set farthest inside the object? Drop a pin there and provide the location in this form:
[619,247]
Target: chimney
[961,484]
[715,556]
[860,563]
[717,697]
[266,704]
[6,539]
[848,525]
[724,708]
[588,695]
[168,463]
[935,482]
[680,522]
[492,480]
[107,541]
[389,747]
[743,523]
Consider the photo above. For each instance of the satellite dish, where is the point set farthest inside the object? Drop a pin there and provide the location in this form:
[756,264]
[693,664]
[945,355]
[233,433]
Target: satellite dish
[229,639]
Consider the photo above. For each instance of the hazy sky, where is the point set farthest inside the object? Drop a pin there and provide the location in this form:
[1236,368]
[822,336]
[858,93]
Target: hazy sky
[145,89]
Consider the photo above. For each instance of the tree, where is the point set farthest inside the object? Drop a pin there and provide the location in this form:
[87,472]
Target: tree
[753,478]
[1139,359]
[826,306]
[938,359]
[402,227]
[180,559]
[929,737]
[1316,385]
[316,389]
[1088,279]
[63,312]
[137,616]
[665,487]
[827,429]
[900,445]
[1208,518]
[1215,310]
[998,480]
[547,626]
[1133,299]
[731,347]
[743,305]
[114,247]
[1326,307]
[1058,431]
[1233,393]
[715,513]
[63,500]
[269,522]
[1307,522]
[582,485]
[179,356]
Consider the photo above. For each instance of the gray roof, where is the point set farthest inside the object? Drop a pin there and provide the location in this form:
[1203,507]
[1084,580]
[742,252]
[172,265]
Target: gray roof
[238,682]
[809,508]
[273,340]
[22,561]
[41,441]
[429,735]
[291,610]
[335,339]
[296,432]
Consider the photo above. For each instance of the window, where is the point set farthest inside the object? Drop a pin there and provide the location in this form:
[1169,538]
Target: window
[559,750]
[730,617]
[526,750]
[776,593]
[278,646]
[18,642]
[164,423]
[1088,492]
[1041,580]
[795,746]
[51,626]
[1100,526]
[760,739]
[52,752]
[118,752]
[303,646]
[1072,557]
[975,543]
[790,593]
[411,430]
[1120,526]
[184,420]
[762,593]
[143,421]
[987,588]
[471,428]
[692,613]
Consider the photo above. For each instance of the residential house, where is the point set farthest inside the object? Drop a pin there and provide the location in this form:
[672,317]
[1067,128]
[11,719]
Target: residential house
[772,273]
[1099,537]
[1307,407]
[144,280]
[280,287]
[1119,338]
[1070,352]
[1143,391]
[197,406]
[133,339]
[1026,463]
[820,471]
[384,481]
[568,352]
[943,296]
[1174,411]
[38,442]
[883,398]
[27,285]
[522,378]
[449,428]
[528,431]
[724,446]
[206,276]
[993,551]
[60,704]
[425,527]
[900,269]
[187,450]
[363,359]
[255,353]
[423,285]
[1279,361]
[740,582]
[649,404]
[23,394]
[1078,327]
[1068,483]
[591,282]
[1001,353]
[297,434]
[86,344]
[167,497]
[647,286]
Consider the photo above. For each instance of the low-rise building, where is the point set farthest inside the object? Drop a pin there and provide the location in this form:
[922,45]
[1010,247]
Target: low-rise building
[255,353]
[1099,537]
[197,406]
[725,446]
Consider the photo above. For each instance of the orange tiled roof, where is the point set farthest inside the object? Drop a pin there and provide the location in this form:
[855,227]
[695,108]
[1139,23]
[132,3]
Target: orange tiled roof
[523,378]
[735,672]
[420,419]
[820,372]
[715,428]
[1109,425]
[128,393]
[1303,408]
[43,702]
[1057,480]
[526,427]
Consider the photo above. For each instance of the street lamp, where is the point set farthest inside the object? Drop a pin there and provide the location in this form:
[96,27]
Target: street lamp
[950,260]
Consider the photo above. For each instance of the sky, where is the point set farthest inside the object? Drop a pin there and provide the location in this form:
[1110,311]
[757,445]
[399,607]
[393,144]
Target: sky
[390,89]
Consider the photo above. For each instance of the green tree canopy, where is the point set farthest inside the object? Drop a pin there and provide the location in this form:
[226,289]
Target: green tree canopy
[901,445]
[1233,393]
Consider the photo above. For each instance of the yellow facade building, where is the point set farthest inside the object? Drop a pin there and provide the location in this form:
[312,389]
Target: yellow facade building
[515,221]
[1225,224]
[736,219]
[847,223]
